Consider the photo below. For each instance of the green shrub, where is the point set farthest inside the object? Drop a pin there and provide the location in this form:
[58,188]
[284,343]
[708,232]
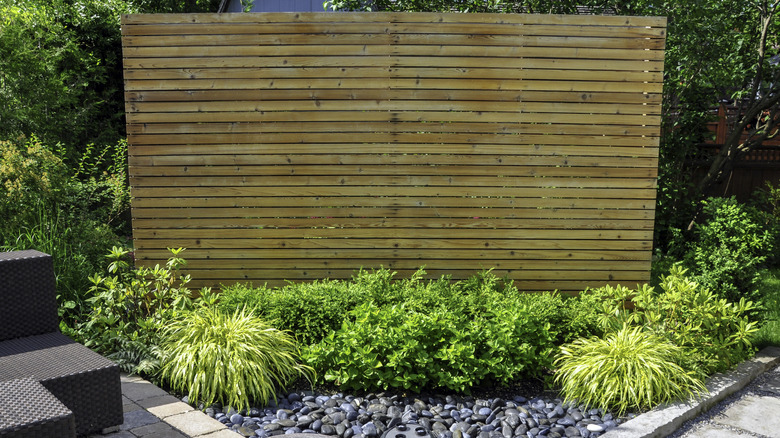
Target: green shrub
[714,333]
[729,249]
[309,311]
[398,346]
[41,207]
[628,369]
[130,307]
[228,358]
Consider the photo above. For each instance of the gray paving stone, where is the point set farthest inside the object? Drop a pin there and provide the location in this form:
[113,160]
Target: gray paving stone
[158,430]
[137,419]
[759,415]
[710,431]
[224,433]
[195,423]
[165,406]
[131,407]
[151,429]
[120,434]
[140,390]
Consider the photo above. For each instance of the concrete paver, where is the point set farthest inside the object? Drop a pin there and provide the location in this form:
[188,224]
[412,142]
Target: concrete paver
[150,412]
[710,431]
[194,423]
[760,415]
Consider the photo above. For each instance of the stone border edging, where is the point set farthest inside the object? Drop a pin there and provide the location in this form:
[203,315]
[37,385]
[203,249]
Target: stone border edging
[666,419]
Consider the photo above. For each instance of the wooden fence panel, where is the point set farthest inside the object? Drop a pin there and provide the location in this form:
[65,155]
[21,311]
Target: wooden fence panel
[298,146]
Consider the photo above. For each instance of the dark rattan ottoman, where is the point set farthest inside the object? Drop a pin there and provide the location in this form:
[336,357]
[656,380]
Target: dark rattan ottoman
[32,346]
[28,410]
[81,379]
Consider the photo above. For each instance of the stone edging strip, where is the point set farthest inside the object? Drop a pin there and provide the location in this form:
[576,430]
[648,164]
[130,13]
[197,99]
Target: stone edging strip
[666,419]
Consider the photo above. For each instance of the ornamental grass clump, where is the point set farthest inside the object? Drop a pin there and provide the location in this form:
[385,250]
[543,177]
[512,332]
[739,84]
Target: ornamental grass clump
[626,370]
[233,359]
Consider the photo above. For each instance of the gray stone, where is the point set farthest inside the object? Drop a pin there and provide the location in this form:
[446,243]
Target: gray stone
[751,413]
[511,420]
[287,423]
[135,419]
[507,431]
[370,429]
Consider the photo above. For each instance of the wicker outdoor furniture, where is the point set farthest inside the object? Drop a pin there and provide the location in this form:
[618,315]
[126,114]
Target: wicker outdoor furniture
[31,346]
[28,410]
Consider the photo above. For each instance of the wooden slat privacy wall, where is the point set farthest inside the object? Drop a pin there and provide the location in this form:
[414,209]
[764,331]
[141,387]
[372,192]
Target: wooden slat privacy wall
[298,146]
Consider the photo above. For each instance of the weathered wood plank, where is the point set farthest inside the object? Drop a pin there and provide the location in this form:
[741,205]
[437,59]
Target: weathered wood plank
[362,49]
[387,116]
[398,17]
[399,39]
[542,206]
[629,218]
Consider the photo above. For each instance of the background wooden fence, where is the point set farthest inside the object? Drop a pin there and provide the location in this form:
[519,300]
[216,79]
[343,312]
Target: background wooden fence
[757,168]
[307,145]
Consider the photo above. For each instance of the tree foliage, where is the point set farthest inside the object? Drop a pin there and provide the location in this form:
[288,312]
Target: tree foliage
[61,73]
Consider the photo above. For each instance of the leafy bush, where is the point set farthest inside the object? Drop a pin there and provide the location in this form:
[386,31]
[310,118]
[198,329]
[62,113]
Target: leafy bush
[131,306]
[42,208]
[307,310]
[728,250]
[228,358]
[713,332]
[628,369]
[449,345]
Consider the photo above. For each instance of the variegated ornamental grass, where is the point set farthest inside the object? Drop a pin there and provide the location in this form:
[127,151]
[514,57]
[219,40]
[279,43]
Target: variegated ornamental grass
[233,358]
[629,369]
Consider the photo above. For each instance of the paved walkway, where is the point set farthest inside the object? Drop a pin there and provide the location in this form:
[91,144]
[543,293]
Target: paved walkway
[151,412]
[751,412]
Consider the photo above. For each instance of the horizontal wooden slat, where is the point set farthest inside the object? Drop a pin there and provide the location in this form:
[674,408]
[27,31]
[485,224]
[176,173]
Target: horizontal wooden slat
[137,79]
[535,217]
[332,39]
[301,146]
[456,49]
[544,206]
[399,17]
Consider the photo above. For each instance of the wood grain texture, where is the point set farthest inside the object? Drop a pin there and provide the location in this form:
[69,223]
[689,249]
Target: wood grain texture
[299,146]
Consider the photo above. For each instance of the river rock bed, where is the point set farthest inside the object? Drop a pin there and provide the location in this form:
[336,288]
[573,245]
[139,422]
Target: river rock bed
[369,416]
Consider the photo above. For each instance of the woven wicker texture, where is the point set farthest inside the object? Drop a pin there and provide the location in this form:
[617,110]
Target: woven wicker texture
[28,410]
[28,292]
[81,379]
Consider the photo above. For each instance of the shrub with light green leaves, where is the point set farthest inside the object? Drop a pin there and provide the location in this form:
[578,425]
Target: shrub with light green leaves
[233,358]
[441,346]
[629,369]
[714,332]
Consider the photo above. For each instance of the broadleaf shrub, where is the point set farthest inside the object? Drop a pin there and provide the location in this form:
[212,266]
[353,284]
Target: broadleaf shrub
[460,341]
[714,333]
[130,307]
[309,311]
[728,250]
